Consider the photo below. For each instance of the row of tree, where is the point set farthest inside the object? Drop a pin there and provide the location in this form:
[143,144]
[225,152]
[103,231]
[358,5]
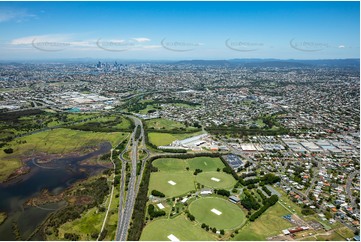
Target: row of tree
[214,230]
[272,200]
[264,188]
[261,195]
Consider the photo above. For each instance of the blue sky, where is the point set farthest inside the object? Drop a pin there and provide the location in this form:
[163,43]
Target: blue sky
[179,30]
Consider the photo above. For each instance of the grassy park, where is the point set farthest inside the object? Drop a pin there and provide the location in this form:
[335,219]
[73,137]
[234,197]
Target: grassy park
[161,181]
[171,169]
[268,224]
[203,163]
[90,222]
[216,180]
[226,215]
[166,124]
[62,141]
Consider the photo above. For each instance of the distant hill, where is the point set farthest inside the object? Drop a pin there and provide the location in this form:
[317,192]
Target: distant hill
[279,64]
[203,62]
[351,63]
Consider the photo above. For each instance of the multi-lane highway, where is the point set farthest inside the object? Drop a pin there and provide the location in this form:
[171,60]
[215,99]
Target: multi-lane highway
[126,210]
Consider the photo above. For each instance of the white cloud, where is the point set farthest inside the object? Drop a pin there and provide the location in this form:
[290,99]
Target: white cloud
[72,42]
[341,46]
[141,40]
[41,38]
[55,38]
[18,15]
[152,46]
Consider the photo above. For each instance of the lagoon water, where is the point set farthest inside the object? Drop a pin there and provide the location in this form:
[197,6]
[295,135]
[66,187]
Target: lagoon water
[54,176]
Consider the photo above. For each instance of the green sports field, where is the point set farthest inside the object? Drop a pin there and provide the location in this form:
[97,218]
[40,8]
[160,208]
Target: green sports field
[184,183]
[170,164]
[180,227]
[232,216]
[171,169]
[209,179]
[203,163]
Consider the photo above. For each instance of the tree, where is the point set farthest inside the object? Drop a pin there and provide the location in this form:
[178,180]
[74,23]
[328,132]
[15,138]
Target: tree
[157,193]
[227,170]
[94,235]
[71,236]
[8,150]
[197,171]
[223,192]
[191,217]
[102,209]
[153,213]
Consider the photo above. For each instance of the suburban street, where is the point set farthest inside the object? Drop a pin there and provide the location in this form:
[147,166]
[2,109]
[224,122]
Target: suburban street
[349,186]
[314,178]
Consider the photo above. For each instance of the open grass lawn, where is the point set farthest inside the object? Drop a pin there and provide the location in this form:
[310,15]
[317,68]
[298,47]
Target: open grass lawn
[226,181]
[125,124]
[184,183]
[268,224]
[60,141]
[170,164]
[114,122]
[333,236]
[89,223]
[171,169]
[8,166]
[180,227]
[148,108]
[166,124]
[345,232]
[111,224]
[57,141]
[231,215]
[288,203]
[159,139]
[246,235]
[203,163]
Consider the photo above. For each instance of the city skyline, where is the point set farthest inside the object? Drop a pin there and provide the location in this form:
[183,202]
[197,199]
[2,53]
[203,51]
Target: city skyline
[179,30]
